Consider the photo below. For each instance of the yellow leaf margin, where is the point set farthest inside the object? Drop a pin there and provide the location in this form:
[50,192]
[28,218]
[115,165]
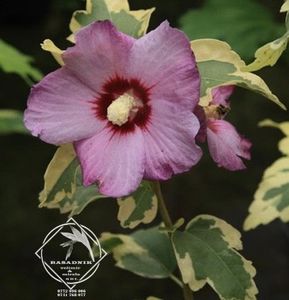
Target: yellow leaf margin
[215,50]
[264,211]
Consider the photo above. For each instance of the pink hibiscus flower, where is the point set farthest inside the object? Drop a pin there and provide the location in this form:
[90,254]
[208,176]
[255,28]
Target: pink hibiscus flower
[226,146]
[126,104]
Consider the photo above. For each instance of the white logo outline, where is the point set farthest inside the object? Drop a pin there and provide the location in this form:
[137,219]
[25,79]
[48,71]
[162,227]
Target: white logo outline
[89,234]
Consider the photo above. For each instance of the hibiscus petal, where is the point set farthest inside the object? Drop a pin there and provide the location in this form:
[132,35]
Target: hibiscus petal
[115,161]
[164,61]
[226,146]
[101,51]
[169,142]
[60,110]
[221,95]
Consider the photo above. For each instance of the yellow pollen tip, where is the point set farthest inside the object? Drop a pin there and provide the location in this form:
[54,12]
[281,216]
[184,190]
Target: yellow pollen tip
[119,110]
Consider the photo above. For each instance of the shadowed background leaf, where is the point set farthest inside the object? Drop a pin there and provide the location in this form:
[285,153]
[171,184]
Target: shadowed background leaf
[13,61]
[244,24]
[11,121]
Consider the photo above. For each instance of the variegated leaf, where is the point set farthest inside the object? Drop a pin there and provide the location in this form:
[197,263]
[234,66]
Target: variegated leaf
[49,46]
[207,253]
[140,207]
[63,187]
[271,200]
[147,253]
[134,23]
[219,65]
[269,54]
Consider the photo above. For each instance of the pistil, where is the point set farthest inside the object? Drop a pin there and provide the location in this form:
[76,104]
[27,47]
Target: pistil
[122,109]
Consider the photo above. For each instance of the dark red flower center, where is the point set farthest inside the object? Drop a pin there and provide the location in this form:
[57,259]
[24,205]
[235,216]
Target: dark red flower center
[117,87]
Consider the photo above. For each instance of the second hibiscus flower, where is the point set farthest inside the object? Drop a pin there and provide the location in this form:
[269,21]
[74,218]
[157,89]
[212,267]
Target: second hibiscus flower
[126,104]
[226,146]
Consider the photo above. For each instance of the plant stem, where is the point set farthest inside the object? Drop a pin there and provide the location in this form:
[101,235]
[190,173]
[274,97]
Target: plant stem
[187,293]
[162,206]
[176,280]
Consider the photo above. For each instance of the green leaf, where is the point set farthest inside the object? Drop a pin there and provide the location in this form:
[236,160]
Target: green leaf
[244,24]
[140,207]
[134,23]
[271,200]
[63,187]
[11,121]
[147,253]
[13,61]
[270,53]
[206,253]
[219,65]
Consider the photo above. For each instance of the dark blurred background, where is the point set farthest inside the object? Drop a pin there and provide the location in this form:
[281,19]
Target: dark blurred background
[206,189]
